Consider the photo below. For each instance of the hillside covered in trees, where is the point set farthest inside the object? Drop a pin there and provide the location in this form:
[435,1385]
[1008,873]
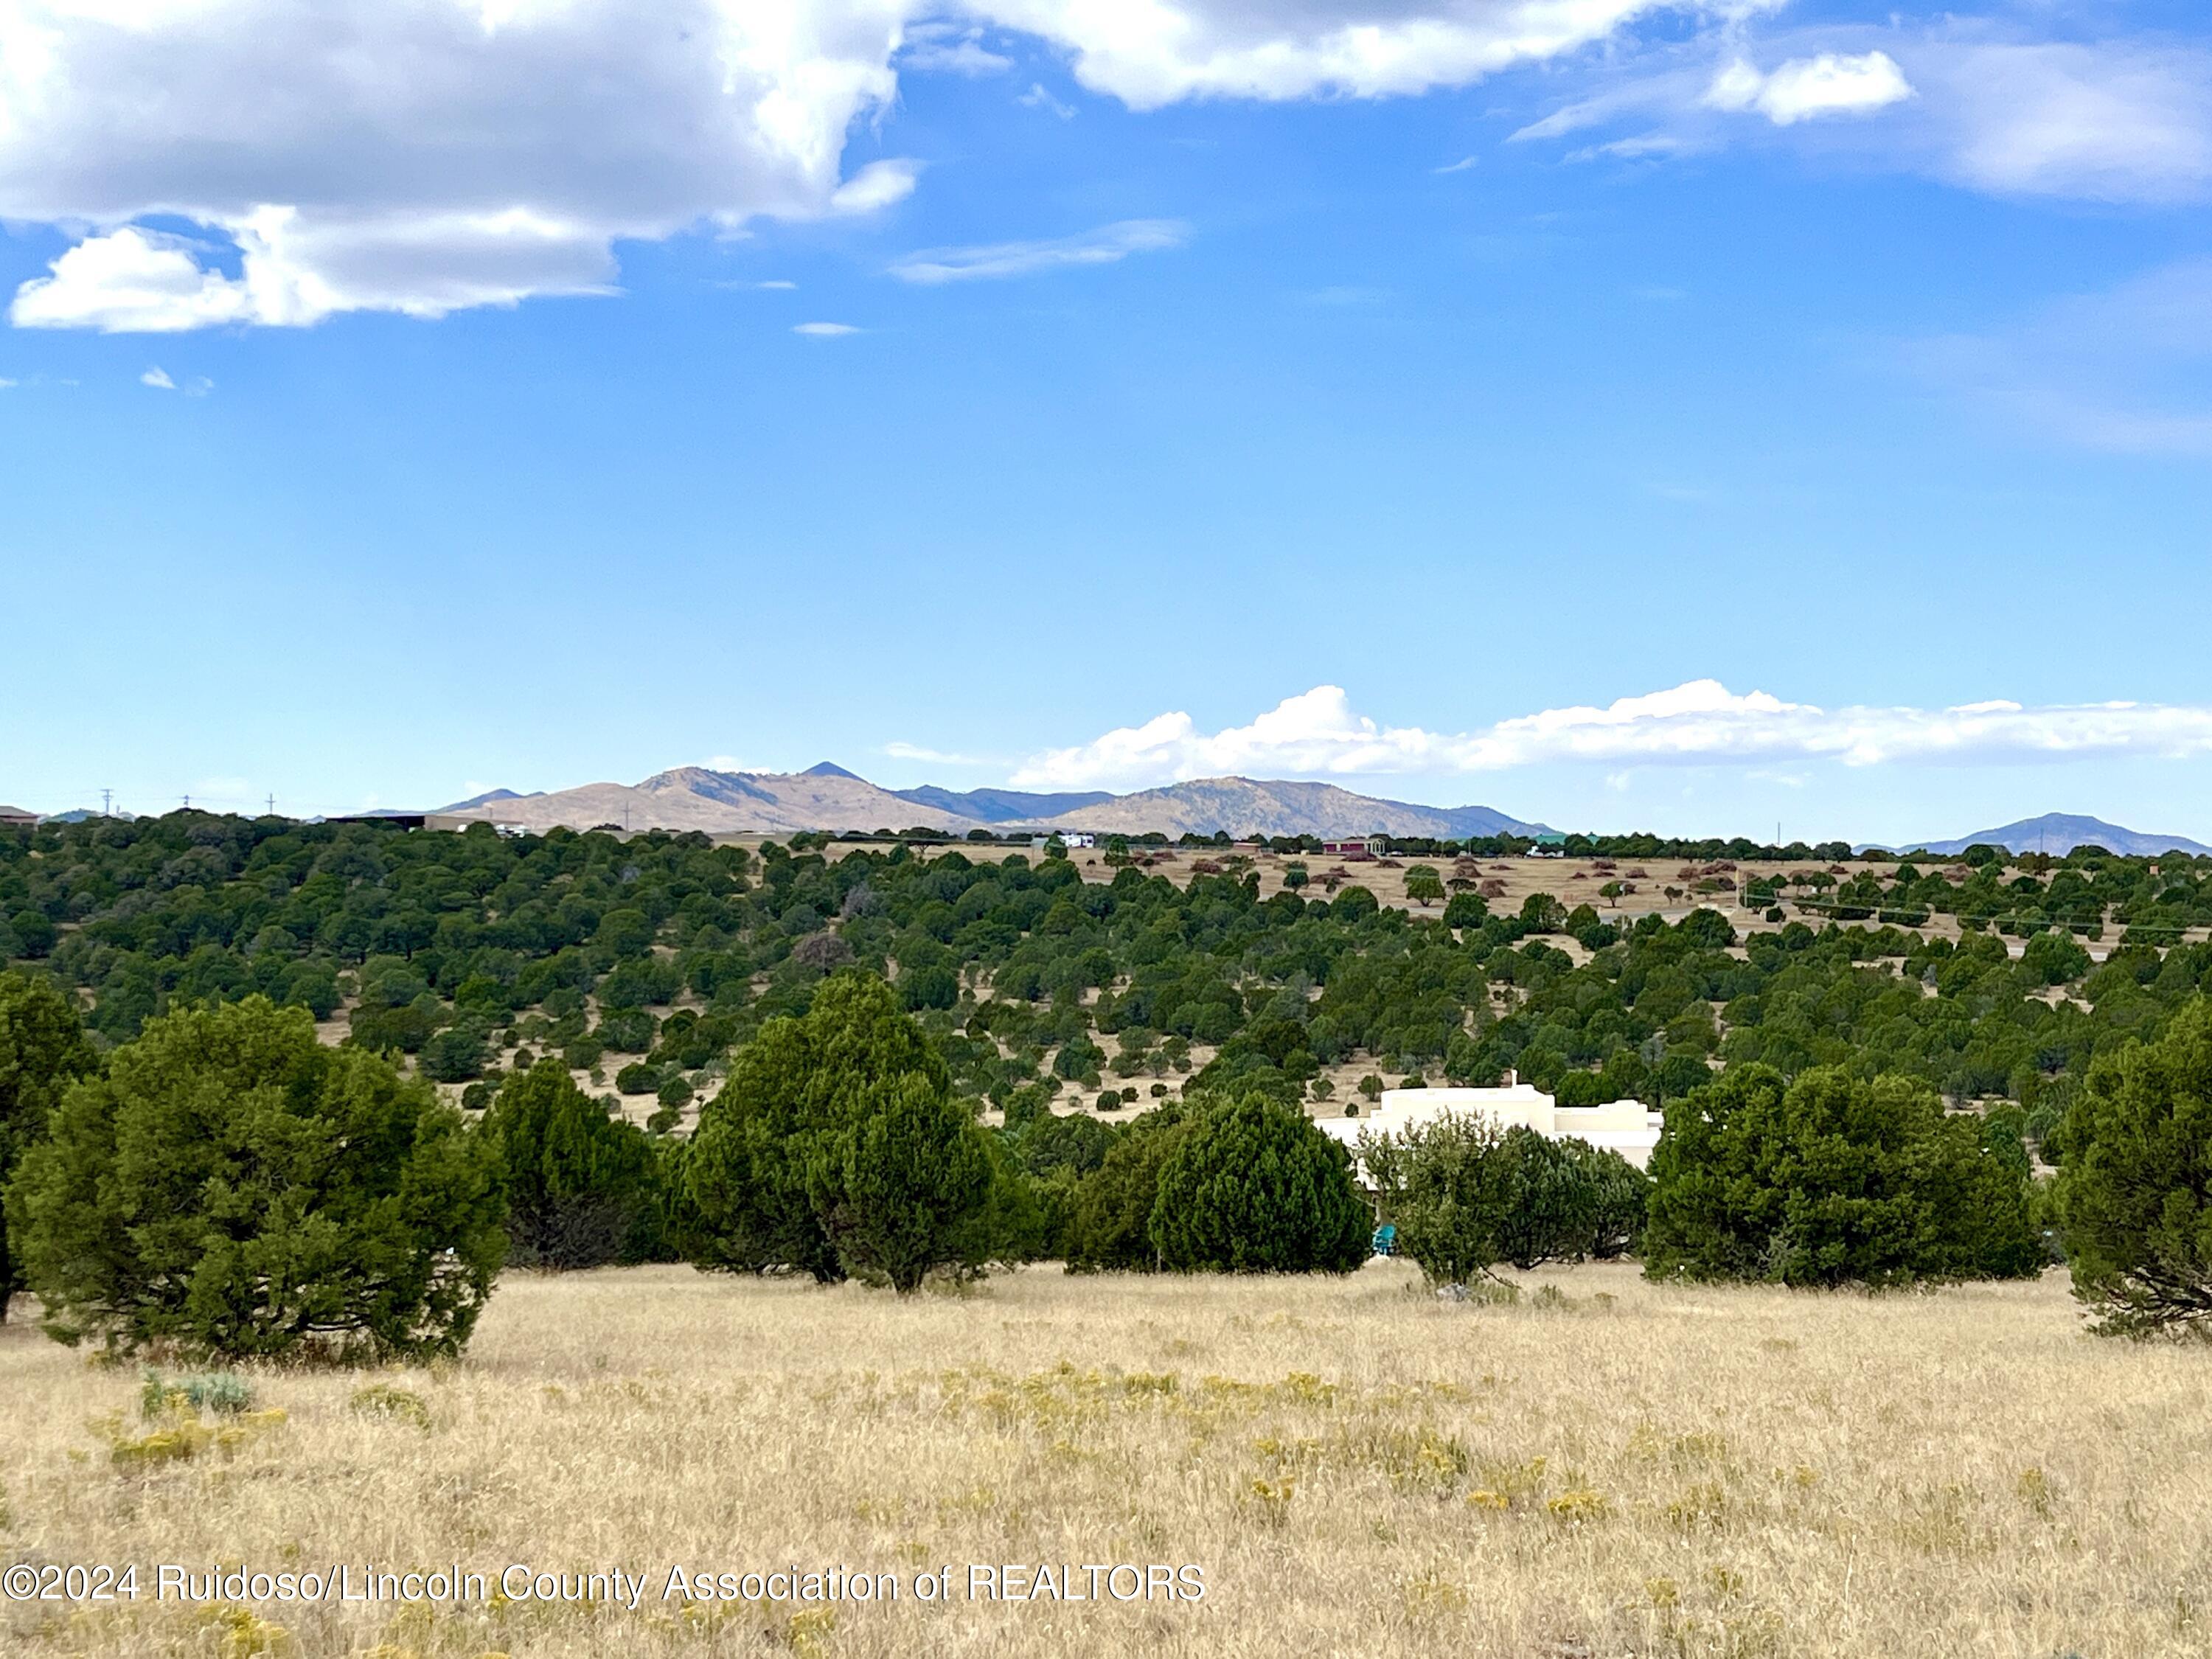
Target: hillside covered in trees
[644,960]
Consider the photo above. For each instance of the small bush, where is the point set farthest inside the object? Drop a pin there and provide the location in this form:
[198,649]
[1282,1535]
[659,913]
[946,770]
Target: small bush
[388,1400]
[225,1393]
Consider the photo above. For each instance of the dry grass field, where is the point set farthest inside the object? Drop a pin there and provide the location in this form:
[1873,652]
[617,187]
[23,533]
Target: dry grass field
[1604,1467]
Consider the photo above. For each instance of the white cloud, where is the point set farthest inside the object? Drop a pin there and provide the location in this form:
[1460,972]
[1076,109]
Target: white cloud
[1103,246]
[159,378]
[1806,87]
[1700,722]
[1151,52]
[914,751]
[419,157]
[776,286]
[945,48]
[1975,102]
[875,186]
[823,330]
[424,157]
[2114,121]
[1037,98]
[1462,165]
[133,281]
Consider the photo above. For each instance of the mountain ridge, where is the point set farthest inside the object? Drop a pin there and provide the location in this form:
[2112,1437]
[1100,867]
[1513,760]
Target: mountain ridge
[2057,834]
[828,796]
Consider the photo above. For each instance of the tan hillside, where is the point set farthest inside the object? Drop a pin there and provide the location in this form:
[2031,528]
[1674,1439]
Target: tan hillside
[723,803]
[1244,806]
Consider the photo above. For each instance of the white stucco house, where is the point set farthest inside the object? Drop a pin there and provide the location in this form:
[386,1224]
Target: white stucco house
[1627,1126]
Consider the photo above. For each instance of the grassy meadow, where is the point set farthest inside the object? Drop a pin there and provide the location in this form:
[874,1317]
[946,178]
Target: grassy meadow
[1603,1467]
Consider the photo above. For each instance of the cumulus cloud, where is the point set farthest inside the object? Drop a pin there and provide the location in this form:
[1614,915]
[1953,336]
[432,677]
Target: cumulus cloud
[133,281]
[158,378]
[1106,246]
[423,157]
[1806,88]
[415,155]
[1151,52]
[1700,722]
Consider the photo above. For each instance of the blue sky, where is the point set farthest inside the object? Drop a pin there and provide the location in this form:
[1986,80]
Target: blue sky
[407,399]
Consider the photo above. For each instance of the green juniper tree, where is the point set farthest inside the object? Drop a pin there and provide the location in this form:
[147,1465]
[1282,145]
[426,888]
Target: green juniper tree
[1832,1179]
[234,1187]
[2134,1193]
[582,1187]
[43,1051]
[1251,1185]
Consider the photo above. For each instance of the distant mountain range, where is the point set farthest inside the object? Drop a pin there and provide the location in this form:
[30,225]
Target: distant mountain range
[2060,833]
[828,796]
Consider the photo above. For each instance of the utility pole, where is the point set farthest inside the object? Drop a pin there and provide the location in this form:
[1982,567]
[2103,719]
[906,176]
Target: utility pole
[188,803]
[272,805]
[106,803]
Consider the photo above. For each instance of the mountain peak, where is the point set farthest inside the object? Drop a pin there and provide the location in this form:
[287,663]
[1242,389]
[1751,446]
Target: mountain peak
[2060,833]
[829,769]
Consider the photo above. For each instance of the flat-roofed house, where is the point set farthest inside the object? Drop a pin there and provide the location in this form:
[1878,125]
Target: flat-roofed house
[1357,847]
[1627,1126]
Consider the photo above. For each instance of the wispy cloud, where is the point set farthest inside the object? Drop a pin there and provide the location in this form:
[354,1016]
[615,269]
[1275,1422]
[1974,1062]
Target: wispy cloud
[2127,369]
[1462,165]
[945,48]
[159,378]
[1037,98]
[1106,246]
[776,285]
[1984,103]
[823,330]
[1701,722]
[914,751]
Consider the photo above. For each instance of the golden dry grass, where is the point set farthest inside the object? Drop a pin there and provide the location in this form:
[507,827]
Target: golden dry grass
[1358,1468]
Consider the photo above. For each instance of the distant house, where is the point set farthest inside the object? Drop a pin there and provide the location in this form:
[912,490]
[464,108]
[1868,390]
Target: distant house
[1070,839]
[14,817]
[1627,1127]
[1549,845]
[1362,846]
